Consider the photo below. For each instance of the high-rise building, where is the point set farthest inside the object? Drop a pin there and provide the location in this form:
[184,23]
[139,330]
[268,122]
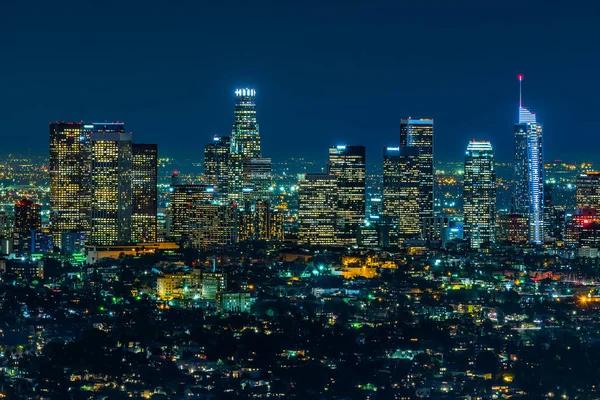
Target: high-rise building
[245,138]
[348,164]
[70,149]
[216,165]
[144,193]
[529,171]
[512,228]
[28,222]
[409,218]
[111,174]
[183,199]
[418,133]
[6,224]
[588,190]
[317,209]
[258,220]
[479,194]
[257,177]
[391,184]
[245,141]
[213,225]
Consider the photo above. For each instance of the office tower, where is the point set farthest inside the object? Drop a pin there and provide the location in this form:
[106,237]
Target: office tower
[588,190]
[28,223]
[69,169]
[348,164]
[529,170]
[583,229]
[245,138]
[257,177]
[418,133]
[409,218]
[554,216]
[479,194]
[183,199]
[213,225]
[111,174]
[435,228]
[259,221]
[216,165]
[317,209]
[512,228]
[144,193]
[391,184]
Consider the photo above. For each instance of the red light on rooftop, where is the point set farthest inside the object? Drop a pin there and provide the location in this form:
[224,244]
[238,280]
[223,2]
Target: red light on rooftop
[520,76]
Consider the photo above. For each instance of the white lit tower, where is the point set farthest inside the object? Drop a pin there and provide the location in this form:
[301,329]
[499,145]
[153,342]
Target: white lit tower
[529,170]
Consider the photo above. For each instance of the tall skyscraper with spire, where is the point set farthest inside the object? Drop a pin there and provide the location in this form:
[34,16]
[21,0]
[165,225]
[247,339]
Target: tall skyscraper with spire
[529,170]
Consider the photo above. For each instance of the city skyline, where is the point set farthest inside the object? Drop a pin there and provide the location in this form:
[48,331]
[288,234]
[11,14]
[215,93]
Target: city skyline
[180,83]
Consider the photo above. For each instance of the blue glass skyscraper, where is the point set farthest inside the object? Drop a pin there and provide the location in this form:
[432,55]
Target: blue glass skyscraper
[529,171]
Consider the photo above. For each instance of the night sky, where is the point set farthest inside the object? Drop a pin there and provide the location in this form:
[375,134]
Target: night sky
[326,72]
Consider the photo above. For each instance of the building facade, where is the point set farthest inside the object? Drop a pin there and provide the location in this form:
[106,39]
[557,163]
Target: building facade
[144,193]
[479,194]
[317,209]
[348,164]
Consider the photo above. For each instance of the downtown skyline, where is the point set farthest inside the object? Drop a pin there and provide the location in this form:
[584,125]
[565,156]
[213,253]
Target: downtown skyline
[176,79]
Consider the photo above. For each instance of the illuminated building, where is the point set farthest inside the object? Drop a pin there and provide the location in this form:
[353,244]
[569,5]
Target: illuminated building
[69,170]
[216,165]
[317,209]
[583,229]
[435,228]
[479,194]
[213,225]
[257,177]
[111,173]
[409,217]
[245,140]
[554,216]
[513,228]
[418,133]
[28,223]
[183,199]
[213,283]
[529,171]
[391,187]
[179,285]
[259,221]
[144,193]
[233,302]
[588,190]
[348,164]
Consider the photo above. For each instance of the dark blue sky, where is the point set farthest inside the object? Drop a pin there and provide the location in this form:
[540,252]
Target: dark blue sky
[326,72]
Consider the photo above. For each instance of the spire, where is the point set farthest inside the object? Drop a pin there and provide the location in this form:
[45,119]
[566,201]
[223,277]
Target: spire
[520,76]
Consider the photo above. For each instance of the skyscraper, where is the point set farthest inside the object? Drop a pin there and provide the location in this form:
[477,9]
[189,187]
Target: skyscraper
[529,170]
[245,140]
[588,190]
[216,164]
[111,174]
[70,149]
[391,183]
[348,164]
[144,193]
[409,218]
[183,199]
[418,133]
[479,194]
[257,177]
[317,209]
[28,222]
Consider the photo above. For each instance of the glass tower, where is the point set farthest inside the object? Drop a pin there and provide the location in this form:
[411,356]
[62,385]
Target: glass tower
[69,168]
[111,174]
[529,171]
[479,194]
[144,193]
[216,161]
[418,133]
[348,164]
[317,209]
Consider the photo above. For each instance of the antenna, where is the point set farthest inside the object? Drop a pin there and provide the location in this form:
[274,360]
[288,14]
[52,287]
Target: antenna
[520,76]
